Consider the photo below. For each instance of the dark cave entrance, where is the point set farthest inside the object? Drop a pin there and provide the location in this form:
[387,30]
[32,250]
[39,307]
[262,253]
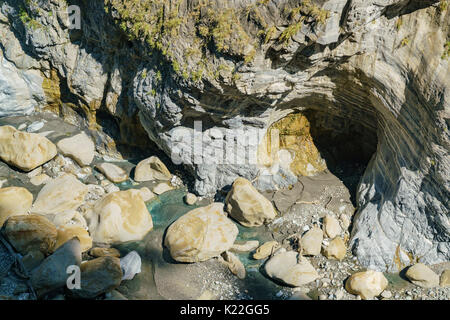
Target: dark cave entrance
[346,144]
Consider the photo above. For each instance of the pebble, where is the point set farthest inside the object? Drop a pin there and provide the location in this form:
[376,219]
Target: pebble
[39,179]
[266,250]
[335,250]
[98,276]
[290,268]
[113,172]
[245,247]
[421,275]
[110,188]
[367,284]
[190,199]
[35,126]
[311,242]
[445,278]
[339,294]
[34,172]
[331,226]
[161,188]
[345,220]
[176,181]
[131,265]
[146,194]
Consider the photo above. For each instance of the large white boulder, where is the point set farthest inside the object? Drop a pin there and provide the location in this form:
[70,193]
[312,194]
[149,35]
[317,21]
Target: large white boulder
[422,276]
[113,172]
[245,204]
[120,217]
[311,242]
[152,169]
[23,150]
[201,234]
[367,284]
[79,147]
[291,268]
[65,193]
[14,201]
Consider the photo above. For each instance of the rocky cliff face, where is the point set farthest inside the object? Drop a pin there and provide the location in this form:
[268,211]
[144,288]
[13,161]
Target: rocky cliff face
[371,78]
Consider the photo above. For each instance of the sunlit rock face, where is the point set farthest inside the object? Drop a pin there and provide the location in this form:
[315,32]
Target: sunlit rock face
[370,77]
[291,135]
[20,80]
[20,90]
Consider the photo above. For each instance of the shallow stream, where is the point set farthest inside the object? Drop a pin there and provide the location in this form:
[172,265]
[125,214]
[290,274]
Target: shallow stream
[167,208]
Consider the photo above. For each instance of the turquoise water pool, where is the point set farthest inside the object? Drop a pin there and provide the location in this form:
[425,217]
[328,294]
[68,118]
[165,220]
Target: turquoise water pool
[169,206]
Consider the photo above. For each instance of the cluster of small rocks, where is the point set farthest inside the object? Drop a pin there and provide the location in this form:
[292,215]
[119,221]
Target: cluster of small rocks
[77,207]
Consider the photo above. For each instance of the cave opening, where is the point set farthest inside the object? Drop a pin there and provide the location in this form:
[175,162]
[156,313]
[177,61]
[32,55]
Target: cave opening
[321,141]
[346,144]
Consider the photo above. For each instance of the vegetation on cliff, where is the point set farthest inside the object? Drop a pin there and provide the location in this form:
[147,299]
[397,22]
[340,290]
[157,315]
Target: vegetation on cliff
[213,32]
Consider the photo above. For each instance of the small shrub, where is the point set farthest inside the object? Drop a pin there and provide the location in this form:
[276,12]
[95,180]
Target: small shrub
[404,42]
[269,34]
[290,31]
[443,4]
[446,53]
[398,23]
